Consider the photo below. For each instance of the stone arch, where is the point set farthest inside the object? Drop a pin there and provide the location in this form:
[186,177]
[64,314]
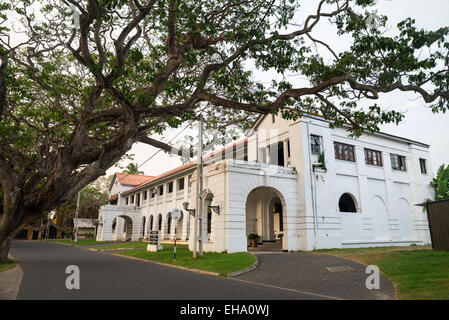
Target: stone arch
[128,233]
[347,203]
[119,224]
[266,213]
[285,186]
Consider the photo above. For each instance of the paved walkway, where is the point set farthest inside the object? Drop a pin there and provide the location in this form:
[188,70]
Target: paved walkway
[106,276]
[306,272]
[284,276]
[10,281]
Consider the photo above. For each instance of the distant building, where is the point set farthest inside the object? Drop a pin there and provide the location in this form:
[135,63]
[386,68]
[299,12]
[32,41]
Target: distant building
[39,229]
[315,185]
[122,182]
[86,227]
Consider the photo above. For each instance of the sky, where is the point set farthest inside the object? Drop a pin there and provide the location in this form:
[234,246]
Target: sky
[419,123]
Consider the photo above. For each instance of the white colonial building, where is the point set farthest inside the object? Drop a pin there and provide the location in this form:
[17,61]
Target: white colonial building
[313,184]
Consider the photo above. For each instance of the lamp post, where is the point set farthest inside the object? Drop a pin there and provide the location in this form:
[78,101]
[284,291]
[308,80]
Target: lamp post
[76,216]
[185,205]
[198,236]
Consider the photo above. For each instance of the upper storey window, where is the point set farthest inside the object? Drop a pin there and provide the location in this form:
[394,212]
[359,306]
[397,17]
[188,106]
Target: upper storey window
[422,164]
[315,144]
[398,162]
[181,184]
[344,151]
[373,157]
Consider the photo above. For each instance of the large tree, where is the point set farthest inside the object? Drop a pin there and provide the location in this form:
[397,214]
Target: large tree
[74,97]
[441,183]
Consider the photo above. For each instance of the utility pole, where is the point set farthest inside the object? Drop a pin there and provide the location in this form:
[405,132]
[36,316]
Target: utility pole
[197,236]
[76,216]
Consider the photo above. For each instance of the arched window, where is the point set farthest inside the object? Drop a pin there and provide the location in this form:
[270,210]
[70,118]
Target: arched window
[159,227]
[151,223]
[168,223]
[143,226]
[346,203]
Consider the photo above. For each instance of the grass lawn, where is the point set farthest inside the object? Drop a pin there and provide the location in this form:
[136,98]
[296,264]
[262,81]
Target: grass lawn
[222,263]
[418,271]
[80,242]
[7,264]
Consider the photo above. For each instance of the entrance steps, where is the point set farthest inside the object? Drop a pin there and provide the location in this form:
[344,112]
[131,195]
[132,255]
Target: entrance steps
[267,246]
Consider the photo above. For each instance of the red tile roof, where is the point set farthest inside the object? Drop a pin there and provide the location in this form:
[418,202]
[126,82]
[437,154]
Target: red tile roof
[184,167]
[113,197]
[128,179]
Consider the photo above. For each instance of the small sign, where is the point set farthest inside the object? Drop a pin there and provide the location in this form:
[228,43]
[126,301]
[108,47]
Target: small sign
[154,237]
[154,241]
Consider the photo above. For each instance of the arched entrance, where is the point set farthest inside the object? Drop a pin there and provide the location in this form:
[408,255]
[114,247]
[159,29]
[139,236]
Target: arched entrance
[265,216]
[126,232]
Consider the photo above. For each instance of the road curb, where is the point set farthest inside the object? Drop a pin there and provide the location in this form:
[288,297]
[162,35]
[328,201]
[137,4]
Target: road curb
[250,268]
[113,249]
[10,281]
[168,265]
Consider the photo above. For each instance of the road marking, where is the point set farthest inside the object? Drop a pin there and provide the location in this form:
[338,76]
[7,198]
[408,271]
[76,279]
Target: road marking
[288,289]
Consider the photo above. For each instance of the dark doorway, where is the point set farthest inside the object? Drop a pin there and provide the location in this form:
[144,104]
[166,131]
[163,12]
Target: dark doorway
[278,210]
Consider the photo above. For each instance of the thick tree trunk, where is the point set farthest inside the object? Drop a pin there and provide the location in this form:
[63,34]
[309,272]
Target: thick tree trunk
[11,222]
[6,237]
[5,245]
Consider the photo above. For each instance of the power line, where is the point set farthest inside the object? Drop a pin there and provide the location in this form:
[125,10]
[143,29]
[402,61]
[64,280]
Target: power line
[154,154]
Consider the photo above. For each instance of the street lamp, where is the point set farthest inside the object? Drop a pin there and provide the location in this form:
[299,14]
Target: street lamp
[215,209]
[185,205]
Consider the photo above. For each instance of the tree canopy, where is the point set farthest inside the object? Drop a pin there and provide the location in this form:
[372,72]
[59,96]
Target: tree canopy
[441,183]
[82,80]
[133,168]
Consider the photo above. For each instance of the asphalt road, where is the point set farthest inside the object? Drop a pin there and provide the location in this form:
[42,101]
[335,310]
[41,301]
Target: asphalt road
[105,276]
